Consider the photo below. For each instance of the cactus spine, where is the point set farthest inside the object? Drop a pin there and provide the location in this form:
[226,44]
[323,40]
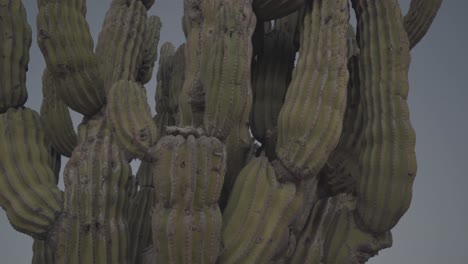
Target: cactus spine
[323,178]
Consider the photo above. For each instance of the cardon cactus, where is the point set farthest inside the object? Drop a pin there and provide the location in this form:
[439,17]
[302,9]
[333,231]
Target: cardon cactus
[282,133]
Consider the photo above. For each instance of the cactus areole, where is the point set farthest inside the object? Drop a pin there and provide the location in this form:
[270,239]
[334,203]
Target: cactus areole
[282,132]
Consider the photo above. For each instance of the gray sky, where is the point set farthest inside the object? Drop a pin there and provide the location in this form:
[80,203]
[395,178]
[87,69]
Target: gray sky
[434,229]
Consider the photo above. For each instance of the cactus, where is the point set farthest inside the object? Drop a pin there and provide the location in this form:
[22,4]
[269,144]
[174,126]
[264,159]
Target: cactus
[323,177]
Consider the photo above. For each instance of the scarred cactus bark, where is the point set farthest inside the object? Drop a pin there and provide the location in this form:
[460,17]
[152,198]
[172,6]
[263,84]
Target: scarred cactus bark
[284,141]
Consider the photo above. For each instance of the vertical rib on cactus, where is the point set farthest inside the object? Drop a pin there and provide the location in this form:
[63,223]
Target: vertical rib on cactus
[419,19]
[273,9]
[218,57]
[177,81]
[94,226]
[56,117]
[386,154]
[130,118]
[42,253]
[187,219]
[120,44]
[309,124]
[150,49]
[258,215]
[164,115]
[14,47]
[28,192]
[67,46]
[139,213]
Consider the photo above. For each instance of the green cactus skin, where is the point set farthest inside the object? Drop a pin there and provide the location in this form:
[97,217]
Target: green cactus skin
[56,117]
[150,49]
[93,227]
[14,47]
[273,9]
[42,253]
[28,192]
[139,213]
[309,124]
[67,46]
[331,236]
[420,16]
[55,162]
[218,53]
[130,118]
[257,195]
[120,44]
[177,81]
[386,157]
[187,220]
[164,80]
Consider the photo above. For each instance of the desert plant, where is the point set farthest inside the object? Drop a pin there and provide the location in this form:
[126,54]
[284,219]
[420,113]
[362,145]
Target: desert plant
[253,157]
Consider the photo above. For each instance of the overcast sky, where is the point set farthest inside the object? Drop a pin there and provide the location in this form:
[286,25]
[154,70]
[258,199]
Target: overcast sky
[434,229]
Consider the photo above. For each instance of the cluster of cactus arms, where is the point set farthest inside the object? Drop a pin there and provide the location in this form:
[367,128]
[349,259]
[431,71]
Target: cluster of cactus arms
[253,156]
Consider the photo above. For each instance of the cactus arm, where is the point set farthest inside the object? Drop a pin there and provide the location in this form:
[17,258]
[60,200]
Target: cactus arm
[67,46]
[310,121]
[177,81]
[273,9]
[130,118]
[150,49]
[14,47]
[93,227]
[187,219]
[257,196]
[419,18]
[56,117]
[164,117]
[28,192]
[218,57]
[386,154]
[120,44]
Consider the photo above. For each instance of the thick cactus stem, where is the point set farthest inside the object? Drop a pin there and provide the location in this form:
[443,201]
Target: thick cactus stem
[67,46]
[309,124]
[177,81]
[164,81]
[14,47]
[93,227]
[150,49]
[218,58]
[273,9]
[419,19]
[387,159]
[188,179]
[28,192]
[120,44]
[258,215]
[130,118]
[56,116]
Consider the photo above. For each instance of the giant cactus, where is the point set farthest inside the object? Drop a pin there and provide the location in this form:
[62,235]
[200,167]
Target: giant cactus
[323,177]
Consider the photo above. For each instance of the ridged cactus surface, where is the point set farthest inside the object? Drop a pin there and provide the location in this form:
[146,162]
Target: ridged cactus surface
[281,134]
